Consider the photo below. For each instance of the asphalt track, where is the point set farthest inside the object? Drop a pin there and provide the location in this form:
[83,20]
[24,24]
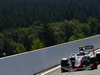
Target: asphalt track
[75,72]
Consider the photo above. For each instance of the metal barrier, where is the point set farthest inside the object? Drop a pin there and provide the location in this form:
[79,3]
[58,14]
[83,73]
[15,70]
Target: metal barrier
[33,62]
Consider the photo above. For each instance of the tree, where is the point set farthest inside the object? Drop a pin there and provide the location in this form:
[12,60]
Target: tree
[81,36]
[9,47]
[86,29]
[72,38]
[48,36]
[93,22]
[37,44]
[59,32]
[20,48]
[1,44]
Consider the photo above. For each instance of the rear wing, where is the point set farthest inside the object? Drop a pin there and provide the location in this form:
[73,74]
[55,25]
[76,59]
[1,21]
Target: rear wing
[88,48]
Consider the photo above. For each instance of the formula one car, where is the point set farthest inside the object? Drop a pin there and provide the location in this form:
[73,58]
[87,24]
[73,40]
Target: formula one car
[85,59]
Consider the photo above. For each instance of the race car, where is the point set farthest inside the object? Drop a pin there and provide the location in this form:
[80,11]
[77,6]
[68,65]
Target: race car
[85,59]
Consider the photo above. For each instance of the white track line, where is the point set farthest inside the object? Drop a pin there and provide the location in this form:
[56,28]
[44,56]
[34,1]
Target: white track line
[50,70]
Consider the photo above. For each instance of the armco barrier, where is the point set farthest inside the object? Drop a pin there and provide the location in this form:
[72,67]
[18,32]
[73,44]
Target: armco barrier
[33,62]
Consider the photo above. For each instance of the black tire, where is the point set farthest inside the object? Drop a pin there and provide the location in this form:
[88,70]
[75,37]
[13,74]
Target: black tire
[93,61]
[98,57]
[62,70]
[64,63]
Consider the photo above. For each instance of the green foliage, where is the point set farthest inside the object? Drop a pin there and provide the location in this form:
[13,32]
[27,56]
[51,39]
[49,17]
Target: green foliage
[20,48]
[86,29]
[9,47]
[59,33]
[37,44]
[1,43]
[72,38]
[81,36]
[93,22]
[22,13]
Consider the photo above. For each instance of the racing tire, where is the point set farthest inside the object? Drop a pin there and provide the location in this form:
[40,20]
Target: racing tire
[62,70]
[98,57]
[64,63]
[93,63]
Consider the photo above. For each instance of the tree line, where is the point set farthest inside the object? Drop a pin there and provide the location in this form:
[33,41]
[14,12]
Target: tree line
[22,13]
[39,35]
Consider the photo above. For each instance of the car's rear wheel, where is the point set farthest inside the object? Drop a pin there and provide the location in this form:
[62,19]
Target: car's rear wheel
[98,57]
[93,63]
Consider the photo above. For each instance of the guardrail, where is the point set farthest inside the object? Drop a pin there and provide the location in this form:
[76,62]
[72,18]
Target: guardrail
[30,63]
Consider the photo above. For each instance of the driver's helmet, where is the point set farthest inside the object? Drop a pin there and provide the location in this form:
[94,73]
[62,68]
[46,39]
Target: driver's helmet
[81,49]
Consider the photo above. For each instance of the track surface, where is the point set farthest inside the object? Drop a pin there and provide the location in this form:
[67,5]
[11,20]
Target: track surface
[76,72]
